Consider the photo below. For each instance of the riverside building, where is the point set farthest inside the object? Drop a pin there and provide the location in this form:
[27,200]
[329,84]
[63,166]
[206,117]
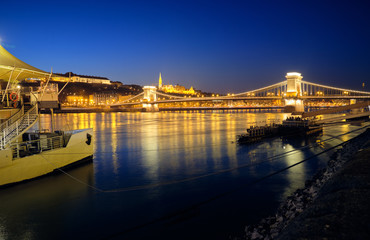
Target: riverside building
[72,77]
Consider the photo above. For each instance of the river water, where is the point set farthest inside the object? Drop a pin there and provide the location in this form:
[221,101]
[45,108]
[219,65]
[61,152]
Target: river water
[164,175]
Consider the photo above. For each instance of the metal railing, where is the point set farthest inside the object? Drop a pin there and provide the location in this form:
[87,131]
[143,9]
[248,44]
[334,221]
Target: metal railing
[12,119]
[297,123]
[31,147]
[17,127]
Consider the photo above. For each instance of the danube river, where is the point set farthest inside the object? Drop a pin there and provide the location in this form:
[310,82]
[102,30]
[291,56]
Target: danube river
[166,175]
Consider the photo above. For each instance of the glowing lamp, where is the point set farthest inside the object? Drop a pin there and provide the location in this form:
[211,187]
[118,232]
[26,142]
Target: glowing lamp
[293,74]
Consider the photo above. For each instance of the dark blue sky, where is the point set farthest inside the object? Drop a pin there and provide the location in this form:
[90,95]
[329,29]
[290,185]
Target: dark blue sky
[220,46]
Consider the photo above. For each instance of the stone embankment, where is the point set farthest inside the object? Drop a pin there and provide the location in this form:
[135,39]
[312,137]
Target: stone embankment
[335,203]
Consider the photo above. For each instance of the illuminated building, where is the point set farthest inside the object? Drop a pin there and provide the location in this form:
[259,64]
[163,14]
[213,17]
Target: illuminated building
[72,77]
[174,89]
[105,98]
[78,100]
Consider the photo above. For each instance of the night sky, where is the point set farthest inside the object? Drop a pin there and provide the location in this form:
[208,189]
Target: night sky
[215,46]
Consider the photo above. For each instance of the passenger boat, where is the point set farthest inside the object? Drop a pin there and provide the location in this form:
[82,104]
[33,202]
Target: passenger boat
[26,155]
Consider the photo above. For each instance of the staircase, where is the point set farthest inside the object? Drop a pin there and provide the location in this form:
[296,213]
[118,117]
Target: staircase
[27,107]
[17,125]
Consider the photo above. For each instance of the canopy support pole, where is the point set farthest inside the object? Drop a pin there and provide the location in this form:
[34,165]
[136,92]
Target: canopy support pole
[65,84]
[43,91]
[7,86]
[15,79]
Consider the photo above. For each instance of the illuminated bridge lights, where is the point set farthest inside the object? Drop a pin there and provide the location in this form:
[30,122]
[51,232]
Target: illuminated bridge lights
[276,92]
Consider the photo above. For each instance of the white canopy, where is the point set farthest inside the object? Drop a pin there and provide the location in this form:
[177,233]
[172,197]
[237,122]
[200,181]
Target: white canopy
[11,68]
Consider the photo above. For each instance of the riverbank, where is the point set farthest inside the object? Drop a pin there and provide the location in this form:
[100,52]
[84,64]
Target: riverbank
[333,205]
[92,110]
[169,109]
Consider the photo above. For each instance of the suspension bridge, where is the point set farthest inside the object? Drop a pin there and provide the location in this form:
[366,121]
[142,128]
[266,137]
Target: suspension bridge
[292,95]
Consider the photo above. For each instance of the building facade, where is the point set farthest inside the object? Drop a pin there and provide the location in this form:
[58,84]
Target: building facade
[174,89]
[72,77]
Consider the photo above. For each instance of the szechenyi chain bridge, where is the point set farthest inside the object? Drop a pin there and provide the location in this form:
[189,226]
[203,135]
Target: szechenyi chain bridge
[292,95]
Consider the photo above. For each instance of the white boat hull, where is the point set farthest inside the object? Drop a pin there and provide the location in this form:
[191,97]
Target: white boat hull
[29,167]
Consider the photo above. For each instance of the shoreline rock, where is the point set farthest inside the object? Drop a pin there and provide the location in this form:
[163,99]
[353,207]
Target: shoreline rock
[295,205]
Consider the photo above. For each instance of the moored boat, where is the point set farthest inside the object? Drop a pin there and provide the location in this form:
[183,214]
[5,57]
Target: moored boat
[44,154]
[25,155]
[296,126]
[290,127]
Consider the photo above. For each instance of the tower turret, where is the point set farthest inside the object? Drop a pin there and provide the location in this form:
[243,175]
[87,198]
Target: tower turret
[160,81]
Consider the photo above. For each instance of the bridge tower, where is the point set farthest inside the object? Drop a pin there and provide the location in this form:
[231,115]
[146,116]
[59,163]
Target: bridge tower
[150,95]
[292,101]
[293,84]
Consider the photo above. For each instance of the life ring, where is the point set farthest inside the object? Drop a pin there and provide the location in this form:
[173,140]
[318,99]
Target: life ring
[13,97]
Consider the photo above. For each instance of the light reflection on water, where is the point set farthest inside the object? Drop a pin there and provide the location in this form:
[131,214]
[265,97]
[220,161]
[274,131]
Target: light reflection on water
[134,149]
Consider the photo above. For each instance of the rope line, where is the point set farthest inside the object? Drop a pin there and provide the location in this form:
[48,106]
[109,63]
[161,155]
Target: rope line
[69,175]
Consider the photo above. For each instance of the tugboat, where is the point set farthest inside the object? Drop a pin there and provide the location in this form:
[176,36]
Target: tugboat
[256,134]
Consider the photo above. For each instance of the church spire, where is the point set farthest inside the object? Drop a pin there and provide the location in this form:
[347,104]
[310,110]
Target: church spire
[160,81]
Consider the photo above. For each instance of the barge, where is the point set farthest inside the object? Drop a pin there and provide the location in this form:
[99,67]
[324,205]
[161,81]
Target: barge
[256,134]
[296,126]
[291,127]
